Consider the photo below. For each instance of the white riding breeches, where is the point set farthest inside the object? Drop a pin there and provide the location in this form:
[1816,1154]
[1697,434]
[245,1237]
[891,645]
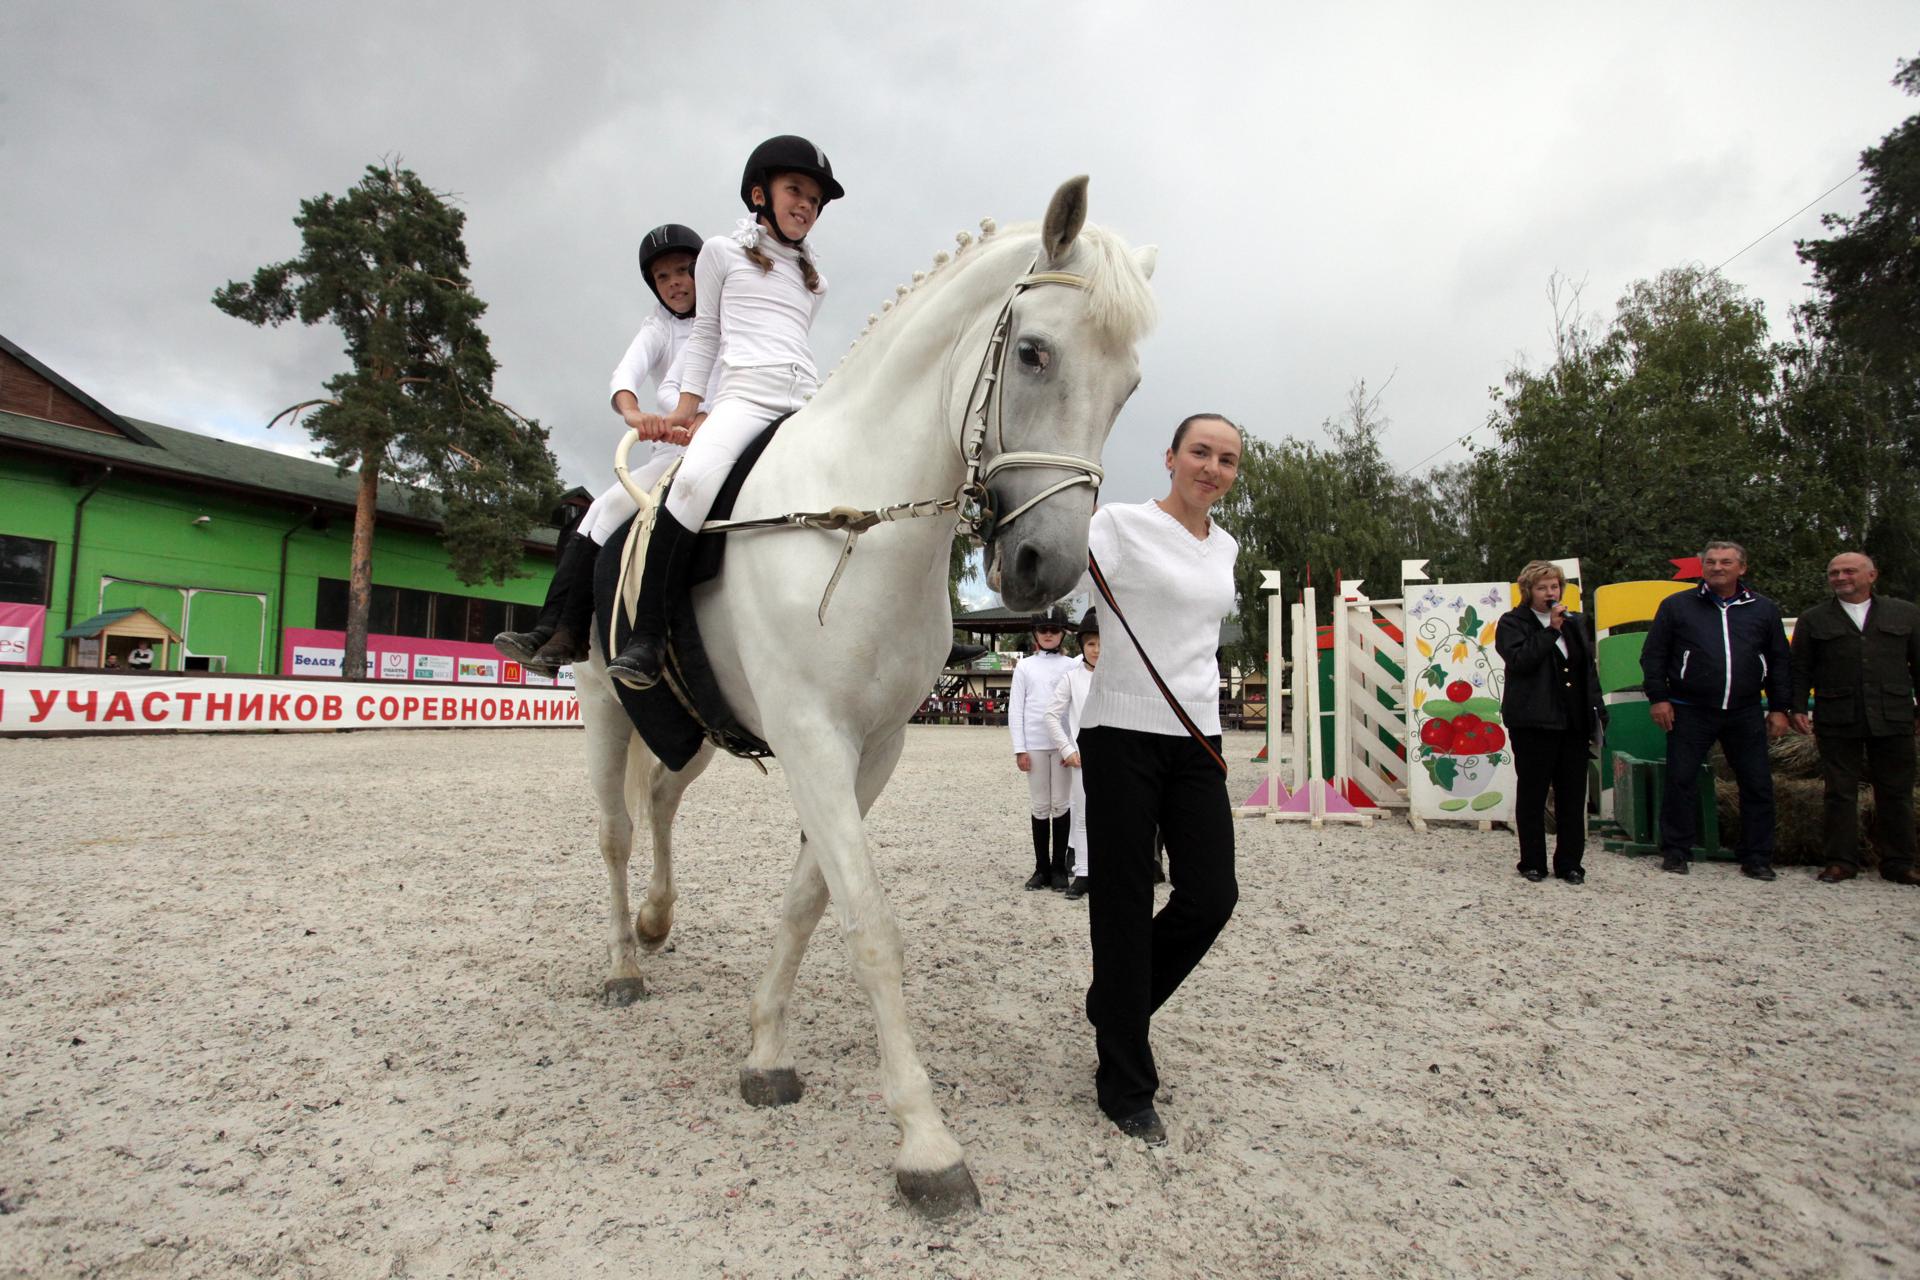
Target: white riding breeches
[1047,784]
[616,506]
[1077,841]
[749,399]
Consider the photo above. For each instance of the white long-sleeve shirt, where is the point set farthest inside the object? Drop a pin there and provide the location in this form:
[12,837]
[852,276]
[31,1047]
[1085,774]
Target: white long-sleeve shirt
[744,317]
[651,356]
[1174,589]
[1033,681]
[1065,707]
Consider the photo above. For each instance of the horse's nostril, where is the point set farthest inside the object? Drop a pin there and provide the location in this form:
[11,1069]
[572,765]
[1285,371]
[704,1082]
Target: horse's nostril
[1026,563]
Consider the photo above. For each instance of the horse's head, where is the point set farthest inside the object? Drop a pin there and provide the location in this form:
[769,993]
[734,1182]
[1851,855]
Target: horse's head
[1066,365]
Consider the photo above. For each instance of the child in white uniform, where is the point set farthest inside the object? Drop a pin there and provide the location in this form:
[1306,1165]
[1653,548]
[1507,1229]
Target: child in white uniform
[667,255]
[757,292]
[1063,723]
[1048,787]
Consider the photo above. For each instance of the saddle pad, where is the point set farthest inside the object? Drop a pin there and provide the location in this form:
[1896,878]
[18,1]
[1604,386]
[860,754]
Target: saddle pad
[658,714]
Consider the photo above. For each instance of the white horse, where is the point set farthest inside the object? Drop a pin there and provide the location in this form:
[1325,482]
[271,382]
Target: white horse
[832,696]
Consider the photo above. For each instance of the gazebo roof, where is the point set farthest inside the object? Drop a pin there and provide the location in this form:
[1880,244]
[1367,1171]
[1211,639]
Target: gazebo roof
[101,621]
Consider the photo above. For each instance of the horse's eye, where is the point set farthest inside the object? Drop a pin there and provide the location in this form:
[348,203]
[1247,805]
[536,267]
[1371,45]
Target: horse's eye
[1033,355]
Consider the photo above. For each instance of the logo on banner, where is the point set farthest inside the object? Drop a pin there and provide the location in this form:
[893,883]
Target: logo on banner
[428,667]
[564,678]
[478,671]
[528,676]
[13,644]
[321,662]
[510,673]
[394,666]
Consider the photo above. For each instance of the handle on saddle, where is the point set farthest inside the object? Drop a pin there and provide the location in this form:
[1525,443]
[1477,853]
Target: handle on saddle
[639,495]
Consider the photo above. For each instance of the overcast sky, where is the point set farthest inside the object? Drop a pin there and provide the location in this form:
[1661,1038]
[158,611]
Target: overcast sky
[1367,191]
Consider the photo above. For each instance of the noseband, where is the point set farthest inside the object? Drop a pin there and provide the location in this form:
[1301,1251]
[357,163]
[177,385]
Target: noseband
[985,412]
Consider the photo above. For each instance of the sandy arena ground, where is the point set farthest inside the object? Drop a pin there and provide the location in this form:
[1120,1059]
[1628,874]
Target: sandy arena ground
[326,1006]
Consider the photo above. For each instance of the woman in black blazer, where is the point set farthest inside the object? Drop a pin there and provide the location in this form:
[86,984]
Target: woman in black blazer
[1552,710]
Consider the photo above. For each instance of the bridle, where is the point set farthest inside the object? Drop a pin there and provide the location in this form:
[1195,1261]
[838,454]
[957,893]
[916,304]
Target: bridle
[986,413]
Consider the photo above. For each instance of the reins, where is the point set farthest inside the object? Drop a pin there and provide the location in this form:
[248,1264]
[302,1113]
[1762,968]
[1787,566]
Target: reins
[971,500]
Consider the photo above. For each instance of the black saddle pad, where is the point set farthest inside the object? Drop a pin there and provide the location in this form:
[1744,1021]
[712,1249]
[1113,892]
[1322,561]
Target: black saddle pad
[662,720]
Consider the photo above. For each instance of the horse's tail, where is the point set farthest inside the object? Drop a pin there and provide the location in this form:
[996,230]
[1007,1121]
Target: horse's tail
[638,787]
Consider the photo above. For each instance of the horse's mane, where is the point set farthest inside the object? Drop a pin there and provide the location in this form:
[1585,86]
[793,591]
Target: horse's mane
[1118,296]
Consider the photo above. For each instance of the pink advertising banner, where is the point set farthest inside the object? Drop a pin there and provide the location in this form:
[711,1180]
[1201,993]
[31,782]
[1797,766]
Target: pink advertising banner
[23,629]
[307,652]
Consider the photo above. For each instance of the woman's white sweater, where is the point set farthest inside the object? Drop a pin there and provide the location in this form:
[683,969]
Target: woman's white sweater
[1175,589]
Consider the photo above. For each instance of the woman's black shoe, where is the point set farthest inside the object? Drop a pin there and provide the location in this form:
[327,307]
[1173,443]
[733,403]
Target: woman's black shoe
[1534,874]
[1077,888]
[1041,879]
[1144,1125]
[1575,876]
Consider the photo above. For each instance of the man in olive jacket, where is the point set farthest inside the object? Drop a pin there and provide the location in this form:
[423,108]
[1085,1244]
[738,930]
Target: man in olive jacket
[1859,653]
[1709,656]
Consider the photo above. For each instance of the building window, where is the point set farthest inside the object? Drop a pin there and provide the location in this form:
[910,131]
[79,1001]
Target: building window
[487,619]
[413,613]
[425,615]
[26,570]
[449,617]
[330,605]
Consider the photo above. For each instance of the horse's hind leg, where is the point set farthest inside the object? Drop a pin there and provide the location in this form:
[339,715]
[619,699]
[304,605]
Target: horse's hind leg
[769,1079]
[665,788]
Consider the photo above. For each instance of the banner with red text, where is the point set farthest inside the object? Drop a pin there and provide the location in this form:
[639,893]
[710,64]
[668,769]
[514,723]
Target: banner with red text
[104,702]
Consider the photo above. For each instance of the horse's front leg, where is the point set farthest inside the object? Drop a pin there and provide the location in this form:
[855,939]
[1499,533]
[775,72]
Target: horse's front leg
[665,788]
[825,775]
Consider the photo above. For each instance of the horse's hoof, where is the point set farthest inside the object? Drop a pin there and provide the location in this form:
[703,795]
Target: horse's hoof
[618,993]
[644,930]
[775,1088]
[940,1194]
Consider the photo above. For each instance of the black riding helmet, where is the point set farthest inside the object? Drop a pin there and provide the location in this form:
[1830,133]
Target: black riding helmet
[787,153]
[1089,623]
[1055,616]
[668,237]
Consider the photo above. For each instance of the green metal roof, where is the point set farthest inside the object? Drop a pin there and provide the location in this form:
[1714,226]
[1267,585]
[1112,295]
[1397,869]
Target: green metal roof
[101,621]
[195,459]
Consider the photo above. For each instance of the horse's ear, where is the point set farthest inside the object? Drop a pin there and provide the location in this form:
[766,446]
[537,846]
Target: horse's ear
[1066,214]
[1145,257]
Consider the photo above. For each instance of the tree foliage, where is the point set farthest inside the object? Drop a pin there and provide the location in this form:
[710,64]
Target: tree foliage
[1675,422]
[1853,375]
[386,265]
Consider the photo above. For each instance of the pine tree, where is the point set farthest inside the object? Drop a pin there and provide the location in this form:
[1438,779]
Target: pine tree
[387,266]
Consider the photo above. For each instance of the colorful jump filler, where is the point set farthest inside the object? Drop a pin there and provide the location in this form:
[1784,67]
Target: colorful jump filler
[1464,765]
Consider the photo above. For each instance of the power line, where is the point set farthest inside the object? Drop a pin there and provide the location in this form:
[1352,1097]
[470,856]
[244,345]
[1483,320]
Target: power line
[1471,432]
[1797,212]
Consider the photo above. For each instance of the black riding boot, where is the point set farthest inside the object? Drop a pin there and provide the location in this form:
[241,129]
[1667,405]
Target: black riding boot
[1042,877]
[574,630]
[1062,828]
[520,646]
[669,548]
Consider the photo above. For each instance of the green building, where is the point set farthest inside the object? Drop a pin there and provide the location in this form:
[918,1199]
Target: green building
[230,547]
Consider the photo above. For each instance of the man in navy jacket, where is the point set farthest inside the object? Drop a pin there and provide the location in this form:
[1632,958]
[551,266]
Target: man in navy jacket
[1709,656]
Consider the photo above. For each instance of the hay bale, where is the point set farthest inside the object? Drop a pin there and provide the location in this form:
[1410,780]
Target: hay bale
[1799,820]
